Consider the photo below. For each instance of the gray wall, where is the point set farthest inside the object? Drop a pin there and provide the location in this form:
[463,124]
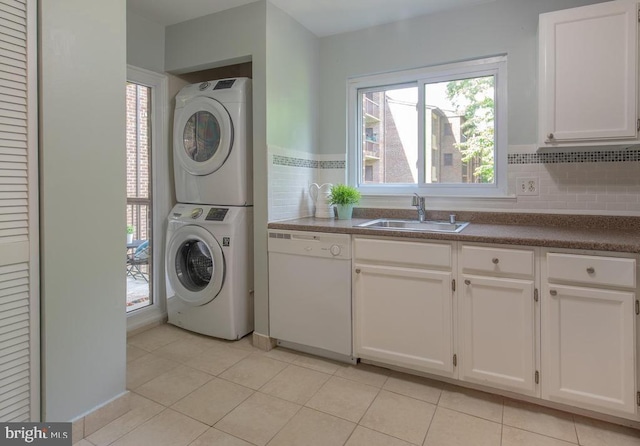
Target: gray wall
[500,27]
[82,162]
[145,43]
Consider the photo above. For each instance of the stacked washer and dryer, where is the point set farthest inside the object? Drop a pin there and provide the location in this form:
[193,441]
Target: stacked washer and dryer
[209,255]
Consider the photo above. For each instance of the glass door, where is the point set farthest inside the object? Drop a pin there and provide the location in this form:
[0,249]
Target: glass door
[139,268]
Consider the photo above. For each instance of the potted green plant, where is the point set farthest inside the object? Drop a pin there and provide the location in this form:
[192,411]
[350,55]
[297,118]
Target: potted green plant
[344,197]
[130,230]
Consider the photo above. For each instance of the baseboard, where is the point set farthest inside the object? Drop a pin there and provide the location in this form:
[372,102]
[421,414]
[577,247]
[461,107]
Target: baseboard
[263,342]
[145,319]
[96,419]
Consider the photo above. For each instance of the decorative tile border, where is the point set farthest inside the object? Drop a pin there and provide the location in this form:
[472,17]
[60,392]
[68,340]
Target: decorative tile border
[604,156]
[290,161]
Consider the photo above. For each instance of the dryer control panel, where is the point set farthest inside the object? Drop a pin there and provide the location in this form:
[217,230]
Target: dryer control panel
[224,84]
[216,214]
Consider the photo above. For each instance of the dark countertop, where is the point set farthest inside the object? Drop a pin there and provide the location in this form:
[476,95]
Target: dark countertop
[620,234]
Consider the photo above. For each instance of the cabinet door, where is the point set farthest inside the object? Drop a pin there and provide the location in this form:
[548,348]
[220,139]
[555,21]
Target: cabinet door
[403,316]
[588,63]
[588,353]
[497,332]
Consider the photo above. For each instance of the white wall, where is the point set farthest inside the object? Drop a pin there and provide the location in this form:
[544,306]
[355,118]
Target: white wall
[293,94]
[231,36]
[293,91]
[82,192]
[285,60]
[145,43]
[228,37]
[499,27]
[568,184]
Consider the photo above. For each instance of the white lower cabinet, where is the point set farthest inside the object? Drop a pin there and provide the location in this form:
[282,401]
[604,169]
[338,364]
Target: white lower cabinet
[588,333]
[573,343]
[403,311]
[497,317]
[497,333]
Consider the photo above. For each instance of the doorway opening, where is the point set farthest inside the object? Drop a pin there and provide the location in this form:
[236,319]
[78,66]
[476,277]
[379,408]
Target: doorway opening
[139,268]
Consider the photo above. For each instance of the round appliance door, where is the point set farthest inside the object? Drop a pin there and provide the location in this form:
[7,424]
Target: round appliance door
[195,265]
[202,136]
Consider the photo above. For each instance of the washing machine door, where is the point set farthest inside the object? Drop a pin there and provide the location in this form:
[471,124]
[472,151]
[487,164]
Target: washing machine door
[195,265]
[202,136]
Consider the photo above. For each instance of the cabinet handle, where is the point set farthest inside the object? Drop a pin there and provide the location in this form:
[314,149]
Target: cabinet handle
[591,270]
[553,292]
[467,282]
[357,270]
[550,136]
[495,260]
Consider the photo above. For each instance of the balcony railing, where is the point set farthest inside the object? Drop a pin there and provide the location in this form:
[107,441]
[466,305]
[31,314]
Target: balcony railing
[371,150]
[139,283]
[139,216]
[371,108]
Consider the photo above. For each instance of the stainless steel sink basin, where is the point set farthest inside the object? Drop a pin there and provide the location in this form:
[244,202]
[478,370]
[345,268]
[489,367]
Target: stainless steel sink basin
[413,225]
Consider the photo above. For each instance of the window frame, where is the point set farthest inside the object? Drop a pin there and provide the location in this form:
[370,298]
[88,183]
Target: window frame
[357,86]
[159,85]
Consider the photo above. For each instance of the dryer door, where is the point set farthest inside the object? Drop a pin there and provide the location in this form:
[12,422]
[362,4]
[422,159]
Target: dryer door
[195,265]
[202,136]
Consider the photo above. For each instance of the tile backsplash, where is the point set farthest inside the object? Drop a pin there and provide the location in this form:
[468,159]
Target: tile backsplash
[605,182]
[598,187]
[291,173]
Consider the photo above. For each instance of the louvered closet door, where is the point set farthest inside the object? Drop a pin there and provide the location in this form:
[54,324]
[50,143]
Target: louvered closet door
[19,365]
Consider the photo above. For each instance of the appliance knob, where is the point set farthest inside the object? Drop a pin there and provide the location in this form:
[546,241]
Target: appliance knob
[196,212]
[335,250]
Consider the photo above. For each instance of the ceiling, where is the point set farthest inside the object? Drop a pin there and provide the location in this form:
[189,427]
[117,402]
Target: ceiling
[322,17]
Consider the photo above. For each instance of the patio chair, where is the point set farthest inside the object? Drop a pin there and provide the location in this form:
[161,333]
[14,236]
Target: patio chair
[139,258]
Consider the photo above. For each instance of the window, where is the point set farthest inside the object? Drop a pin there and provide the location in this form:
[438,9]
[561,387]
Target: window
[448,159]
[437,130]
[139,198]
[148,193]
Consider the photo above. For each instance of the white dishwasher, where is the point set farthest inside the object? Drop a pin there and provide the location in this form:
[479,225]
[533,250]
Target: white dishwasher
[310,292]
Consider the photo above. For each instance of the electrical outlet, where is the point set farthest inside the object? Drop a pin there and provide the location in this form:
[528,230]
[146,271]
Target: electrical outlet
[527,186]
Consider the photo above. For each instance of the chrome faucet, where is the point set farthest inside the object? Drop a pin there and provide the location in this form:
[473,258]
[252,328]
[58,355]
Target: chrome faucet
[418,202]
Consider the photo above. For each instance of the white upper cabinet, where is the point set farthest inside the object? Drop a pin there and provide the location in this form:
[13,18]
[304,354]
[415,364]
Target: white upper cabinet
[588,71]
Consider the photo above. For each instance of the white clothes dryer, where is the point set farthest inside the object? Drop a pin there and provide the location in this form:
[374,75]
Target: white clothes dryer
[212,143]
[209,270]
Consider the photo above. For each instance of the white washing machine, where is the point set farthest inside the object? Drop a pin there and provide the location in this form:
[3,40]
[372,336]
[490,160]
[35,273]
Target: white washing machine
[212,143]
[209,270]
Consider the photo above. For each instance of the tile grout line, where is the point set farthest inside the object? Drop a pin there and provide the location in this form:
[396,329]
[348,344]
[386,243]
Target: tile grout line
[575,427]
[540,434]
[285,424]
[502,423]
[426,434]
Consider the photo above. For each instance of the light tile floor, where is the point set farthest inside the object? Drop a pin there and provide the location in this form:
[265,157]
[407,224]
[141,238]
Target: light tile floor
[193,390]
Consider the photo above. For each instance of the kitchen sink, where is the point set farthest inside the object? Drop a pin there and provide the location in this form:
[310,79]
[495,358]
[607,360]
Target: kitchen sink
[413,225]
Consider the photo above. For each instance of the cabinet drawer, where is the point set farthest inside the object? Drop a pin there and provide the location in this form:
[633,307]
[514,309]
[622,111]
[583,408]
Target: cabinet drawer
[497,260]
[406,253]
[591,270]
